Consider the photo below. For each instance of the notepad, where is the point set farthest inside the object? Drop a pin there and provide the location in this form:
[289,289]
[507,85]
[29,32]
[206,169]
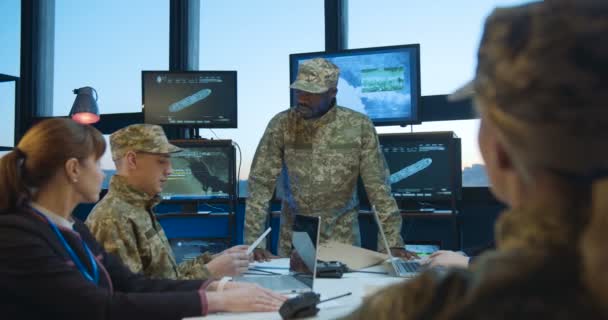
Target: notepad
[355,258]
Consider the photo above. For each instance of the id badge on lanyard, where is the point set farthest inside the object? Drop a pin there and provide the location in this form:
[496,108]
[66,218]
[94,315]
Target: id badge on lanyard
[94,275]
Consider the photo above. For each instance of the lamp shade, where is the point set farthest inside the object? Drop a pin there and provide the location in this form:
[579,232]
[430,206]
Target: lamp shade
[85,109]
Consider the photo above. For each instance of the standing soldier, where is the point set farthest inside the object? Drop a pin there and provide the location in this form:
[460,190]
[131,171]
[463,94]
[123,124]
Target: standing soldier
[320,149]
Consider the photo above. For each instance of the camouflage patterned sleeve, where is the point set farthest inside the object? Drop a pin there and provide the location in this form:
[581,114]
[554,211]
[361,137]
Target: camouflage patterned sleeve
[265,169]
[119,239]
[375,174]
[195,269]
[428,296]
[411,299]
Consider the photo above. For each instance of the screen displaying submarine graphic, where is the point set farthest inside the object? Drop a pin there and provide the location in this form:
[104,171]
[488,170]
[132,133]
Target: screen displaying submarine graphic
[419,169]
[203,99]
[410,170]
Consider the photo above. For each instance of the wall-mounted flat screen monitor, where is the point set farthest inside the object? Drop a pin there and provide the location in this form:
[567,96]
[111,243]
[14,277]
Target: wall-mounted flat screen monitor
[423,165]
[197,99]
[203,170]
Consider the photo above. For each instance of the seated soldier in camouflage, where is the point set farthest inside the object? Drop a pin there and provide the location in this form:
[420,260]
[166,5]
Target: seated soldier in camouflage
[541,89]
[124,222]
[321,149]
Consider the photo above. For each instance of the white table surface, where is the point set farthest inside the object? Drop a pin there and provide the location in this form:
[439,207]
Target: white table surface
[360,284]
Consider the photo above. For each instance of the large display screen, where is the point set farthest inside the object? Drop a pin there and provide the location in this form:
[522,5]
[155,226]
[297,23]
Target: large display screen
[423,165]
[200,99]
[200,172]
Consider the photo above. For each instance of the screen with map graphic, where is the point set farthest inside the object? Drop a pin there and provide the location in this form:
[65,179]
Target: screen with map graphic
[201,171]
[381,82]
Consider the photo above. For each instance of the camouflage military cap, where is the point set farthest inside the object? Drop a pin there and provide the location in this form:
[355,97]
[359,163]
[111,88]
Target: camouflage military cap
[316,76]
[140,137]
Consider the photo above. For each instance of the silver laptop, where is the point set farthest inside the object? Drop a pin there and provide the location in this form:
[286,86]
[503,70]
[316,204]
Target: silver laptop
[303,260]
[401,268]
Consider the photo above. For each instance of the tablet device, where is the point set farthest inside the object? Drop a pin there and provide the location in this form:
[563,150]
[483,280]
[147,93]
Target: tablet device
[258,240]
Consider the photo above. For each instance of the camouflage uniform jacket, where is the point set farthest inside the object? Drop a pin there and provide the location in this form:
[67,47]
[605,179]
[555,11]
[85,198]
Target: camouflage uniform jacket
[319,162]
[537,272]
[124,223]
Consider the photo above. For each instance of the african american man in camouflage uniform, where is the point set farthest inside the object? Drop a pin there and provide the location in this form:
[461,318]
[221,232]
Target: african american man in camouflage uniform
[320,149]
[124,223]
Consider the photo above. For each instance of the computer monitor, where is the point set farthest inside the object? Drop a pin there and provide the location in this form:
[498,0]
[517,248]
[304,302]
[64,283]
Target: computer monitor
[423,166]
[198,99]
[381,82]
[204,170]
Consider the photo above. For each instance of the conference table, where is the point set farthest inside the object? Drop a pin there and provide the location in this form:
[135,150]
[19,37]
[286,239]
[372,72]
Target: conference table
[359,284]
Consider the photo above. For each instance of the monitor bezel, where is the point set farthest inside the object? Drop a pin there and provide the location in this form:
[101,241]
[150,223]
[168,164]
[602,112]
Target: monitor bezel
[415,94]
[231,125]
[454,153]
[203,143]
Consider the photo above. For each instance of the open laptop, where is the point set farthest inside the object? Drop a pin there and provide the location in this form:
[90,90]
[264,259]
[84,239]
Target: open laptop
[303,260]
[401,268]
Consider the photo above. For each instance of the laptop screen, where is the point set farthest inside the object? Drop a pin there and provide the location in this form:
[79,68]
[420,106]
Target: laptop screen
[303,259]
[379,223]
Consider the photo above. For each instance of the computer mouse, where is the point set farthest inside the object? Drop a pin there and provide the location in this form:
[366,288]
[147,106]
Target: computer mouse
[301,306]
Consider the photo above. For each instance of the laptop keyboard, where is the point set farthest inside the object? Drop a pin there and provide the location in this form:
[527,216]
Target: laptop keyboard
[277,283]
[407,266]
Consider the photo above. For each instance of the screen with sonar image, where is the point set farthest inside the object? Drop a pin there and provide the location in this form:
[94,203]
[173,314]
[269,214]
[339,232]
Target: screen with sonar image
[199,172]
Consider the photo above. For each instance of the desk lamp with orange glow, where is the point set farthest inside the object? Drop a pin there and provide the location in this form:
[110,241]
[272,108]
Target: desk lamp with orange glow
[85,109]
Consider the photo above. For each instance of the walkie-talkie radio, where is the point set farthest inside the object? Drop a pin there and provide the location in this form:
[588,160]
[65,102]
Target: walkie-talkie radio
[304,305]
[331,269]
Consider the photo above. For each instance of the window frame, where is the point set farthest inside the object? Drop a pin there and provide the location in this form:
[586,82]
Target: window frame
[9,78]
[183,54]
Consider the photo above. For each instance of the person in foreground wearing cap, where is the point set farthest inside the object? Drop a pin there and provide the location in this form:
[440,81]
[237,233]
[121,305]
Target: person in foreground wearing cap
[541,89]
[321,149]
[124,223]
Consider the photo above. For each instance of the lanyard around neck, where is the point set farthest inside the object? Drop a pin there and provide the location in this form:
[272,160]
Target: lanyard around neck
[79,265]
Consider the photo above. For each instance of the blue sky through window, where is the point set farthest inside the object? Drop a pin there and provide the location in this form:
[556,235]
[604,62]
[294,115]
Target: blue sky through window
[106,44]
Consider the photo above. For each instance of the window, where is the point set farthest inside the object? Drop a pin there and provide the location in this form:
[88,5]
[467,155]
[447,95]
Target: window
[448,33]
[10,33]
[255,38]
[107,165]
[105,45]
[7,109]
